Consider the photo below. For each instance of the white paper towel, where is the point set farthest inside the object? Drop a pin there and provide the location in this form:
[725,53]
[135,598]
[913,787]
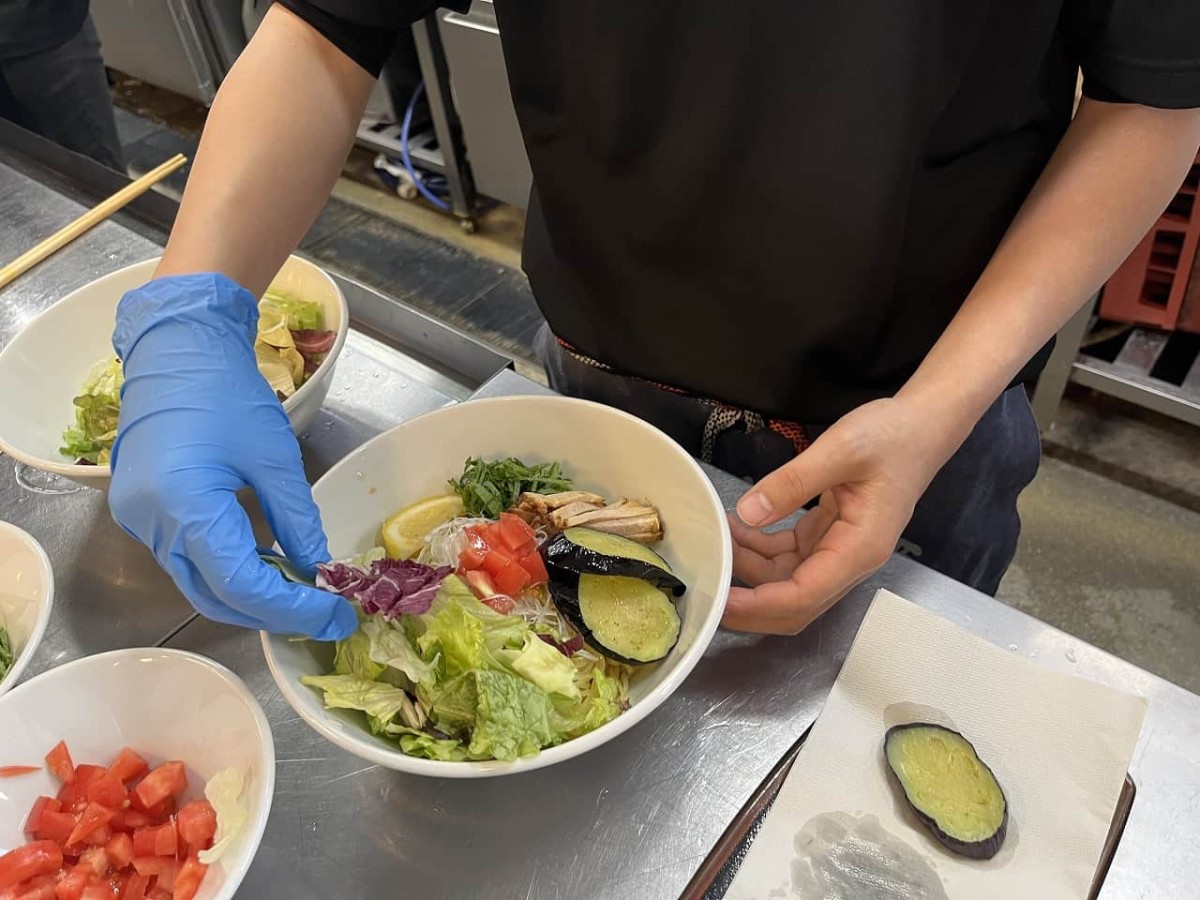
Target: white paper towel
[1059,746]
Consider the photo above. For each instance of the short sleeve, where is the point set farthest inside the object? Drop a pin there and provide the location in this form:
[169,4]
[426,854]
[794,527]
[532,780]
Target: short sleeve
[384,13]
[1138,51]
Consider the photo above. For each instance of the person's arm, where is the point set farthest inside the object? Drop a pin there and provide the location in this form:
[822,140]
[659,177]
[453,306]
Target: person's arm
[1112,175]
[273,146]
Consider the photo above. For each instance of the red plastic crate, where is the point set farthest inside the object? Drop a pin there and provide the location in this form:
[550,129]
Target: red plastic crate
[1189,313]
[1151,286]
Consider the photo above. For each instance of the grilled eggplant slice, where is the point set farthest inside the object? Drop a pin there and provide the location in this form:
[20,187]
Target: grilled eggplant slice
[952,791]
[629,620]
[584,551]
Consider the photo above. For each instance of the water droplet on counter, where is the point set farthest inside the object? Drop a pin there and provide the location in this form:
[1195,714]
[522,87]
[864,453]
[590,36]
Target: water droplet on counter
[329,425]
[1070,655]
[359,475]
[374,374]
[304,437]
[1012,646]
[44,482]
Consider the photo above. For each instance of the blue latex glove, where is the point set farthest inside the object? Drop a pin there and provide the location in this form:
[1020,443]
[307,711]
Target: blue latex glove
[198,422]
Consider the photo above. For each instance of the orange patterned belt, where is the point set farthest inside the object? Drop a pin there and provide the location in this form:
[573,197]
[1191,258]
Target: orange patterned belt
[722,418]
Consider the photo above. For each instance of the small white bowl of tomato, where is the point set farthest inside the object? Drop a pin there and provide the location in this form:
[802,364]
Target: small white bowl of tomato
[142,774]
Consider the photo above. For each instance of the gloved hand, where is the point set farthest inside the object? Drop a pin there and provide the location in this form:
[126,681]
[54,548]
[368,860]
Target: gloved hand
[197,423]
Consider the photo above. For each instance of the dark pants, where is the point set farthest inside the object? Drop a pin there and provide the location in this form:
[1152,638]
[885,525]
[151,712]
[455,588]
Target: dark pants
[63,94]
[965,525]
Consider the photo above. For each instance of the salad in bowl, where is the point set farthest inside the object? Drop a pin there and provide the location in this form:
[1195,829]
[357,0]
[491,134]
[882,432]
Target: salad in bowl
[518,610]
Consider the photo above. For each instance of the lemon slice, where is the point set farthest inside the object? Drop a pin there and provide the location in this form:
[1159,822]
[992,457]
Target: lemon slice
[404,533]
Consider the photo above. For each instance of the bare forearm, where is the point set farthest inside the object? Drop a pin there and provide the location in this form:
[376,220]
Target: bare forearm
[272,148]
[1114,172]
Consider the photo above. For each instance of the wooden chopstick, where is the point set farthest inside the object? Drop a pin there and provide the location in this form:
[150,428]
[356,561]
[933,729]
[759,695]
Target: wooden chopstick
[89,219]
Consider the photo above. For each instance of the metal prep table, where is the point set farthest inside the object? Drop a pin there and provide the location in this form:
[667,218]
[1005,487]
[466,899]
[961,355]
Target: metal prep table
[632,821]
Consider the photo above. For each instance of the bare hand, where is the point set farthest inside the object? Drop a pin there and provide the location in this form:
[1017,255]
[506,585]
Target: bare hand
[869,469]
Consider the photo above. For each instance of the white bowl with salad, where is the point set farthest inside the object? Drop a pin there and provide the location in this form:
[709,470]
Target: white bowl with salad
[26,599]
[141,773]
[61,379]
[534,576]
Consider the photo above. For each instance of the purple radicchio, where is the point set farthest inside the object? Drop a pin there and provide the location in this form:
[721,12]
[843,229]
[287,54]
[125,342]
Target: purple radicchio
[390,587]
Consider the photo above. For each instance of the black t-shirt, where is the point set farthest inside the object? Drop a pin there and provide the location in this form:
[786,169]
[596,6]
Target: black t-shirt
[782,206]
[34,26]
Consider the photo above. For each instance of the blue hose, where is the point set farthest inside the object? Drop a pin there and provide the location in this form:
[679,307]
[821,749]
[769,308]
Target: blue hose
[405,127]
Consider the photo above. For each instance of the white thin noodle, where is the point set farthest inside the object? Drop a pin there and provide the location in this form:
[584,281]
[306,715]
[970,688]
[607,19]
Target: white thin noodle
[445,544]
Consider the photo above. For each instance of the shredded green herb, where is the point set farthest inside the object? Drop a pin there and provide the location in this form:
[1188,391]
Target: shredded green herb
[6,652]
[490,488]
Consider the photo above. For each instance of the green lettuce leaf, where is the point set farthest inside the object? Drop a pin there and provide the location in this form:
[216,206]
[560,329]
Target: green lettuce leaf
[506,716]
[381,702]
[97,409]
[299,315]
[352,656]
[389,647]
[468,634]
[546,667]
[602,701]
[419,743]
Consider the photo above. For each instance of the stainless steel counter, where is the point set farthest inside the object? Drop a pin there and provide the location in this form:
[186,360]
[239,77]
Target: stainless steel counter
[633,820]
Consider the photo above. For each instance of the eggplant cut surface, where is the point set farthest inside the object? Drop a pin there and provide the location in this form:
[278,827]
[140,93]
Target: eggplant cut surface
[951,790]
[585,551]
[627,619]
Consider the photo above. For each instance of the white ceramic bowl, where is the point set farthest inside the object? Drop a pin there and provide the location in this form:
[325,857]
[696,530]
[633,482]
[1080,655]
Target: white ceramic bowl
[26,596]
[165,704]
[43,368]
[602,449]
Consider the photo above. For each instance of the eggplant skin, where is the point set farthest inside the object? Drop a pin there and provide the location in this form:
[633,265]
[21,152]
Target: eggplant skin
[565,594]
[563,555]
[984,848]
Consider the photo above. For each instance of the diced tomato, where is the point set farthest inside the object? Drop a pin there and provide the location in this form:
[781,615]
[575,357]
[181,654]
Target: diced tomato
[74,792]
[128,766]
[155,841]
[187,882]
[197,823]
[98,838]
[128,819]
[495,562]
[58,760]
[107,790]
[120,850]
[500,603]
[471,558]
[97,890]
[96,860]
[73,884]
[532,563]
[94,816]
[161,867]
[480,583]
[31,860]
[168,780]
[56,826]
[512,579]
[40,888]
[157,893]
[41,805]
[15,771]
[515,534]
[135,887]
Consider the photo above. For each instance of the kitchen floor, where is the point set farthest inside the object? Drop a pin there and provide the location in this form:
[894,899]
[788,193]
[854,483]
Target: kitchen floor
[1110,548]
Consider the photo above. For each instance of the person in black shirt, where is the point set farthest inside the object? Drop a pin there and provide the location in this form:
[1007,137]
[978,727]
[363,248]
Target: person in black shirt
[52,78]
[908,211]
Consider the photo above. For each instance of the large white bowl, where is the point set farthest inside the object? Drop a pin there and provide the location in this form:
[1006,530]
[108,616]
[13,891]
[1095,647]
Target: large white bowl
[602,449]
[165,704]
[26,596]
[43,368]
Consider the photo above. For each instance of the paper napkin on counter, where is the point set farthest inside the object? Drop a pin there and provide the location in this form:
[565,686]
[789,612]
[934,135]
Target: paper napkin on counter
[1059,746]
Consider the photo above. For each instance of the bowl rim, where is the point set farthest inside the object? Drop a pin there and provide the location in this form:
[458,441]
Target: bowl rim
[104,472]
[10,681]
[397,759]
[256,828]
